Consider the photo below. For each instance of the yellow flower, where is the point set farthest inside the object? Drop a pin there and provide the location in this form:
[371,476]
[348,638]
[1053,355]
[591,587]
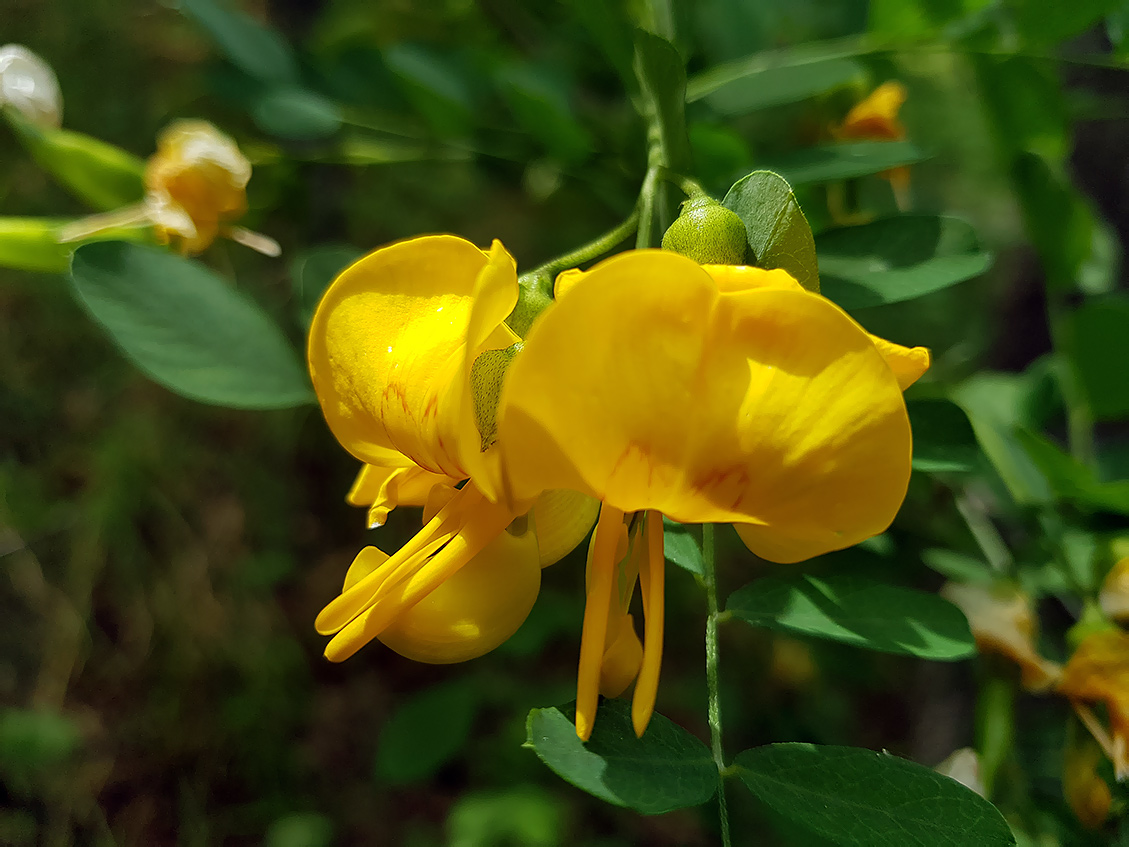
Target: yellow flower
[1114,595]
[195,186]
[875,118]
[392,354]
[1099,672]
[1003,622]
[709,394]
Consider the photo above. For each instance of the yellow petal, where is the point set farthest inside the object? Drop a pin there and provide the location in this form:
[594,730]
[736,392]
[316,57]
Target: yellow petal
[562,519]
[649,389]
[472,612]
[386,350]
[383,489]
[907,363]
[1099,672]
[1115,592]
[876,117]
[744,278]
[622,657]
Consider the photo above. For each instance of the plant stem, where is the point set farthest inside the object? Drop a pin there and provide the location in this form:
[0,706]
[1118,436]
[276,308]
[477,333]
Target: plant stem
[591,250]
[710,579]
[1079,420]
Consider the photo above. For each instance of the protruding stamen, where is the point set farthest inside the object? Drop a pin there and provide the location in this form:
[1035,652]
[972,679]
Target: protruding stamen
[652,588]
[255,240]
[608,531]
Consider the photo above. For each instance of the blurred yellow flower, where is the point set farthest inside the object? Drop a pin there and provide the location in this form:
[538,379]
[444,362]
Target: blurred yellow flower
[1114,597]
[1098,672]
[195,186]
[875,118]
[392,352]
[1003,622]
[708,394]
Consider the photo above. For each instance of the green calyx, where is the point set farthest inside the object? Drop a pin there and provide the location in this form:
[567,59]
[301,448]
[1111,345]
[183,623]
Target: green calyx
[708,233]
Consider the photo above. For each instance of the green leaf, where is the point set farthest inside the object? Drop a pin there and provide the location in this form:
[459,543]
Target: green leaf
[1099,346]
[666,769]
[778,232]
[33,740]
[1049,24]
[187,328]
[292,112]
[857,611]
[847,160]
[1058,221]
[311,272]
[300,829]
[661,73]
[957,566]
[103,176]
[859,798]
[525,815]
[540,105]
[750,68]
[1071,480]
[780,85]
[898,258]
[253,48]
[435,86]
[996,403]
[682,547]
[427,730]
[943,440]
[915,19]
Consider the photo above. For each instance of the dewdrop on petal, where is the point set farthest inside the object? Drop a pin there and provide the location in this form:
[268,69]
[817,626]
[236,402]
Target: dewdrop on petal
[29,86]
[195,186]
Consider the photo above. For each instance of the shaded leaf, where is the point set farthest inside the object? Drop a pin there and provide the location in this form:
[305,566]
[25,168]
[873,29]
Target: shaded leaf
[785,59]
[857,611]
[187,328]
[943,440]
[1099,345]
[257,50]
[682,547]
[1071,480]
[300,829]
[859,798]
[666,769]
[898,258]
[775,86]
[435,85]
[541,107]
[847,160]
[426,731]
[778,232]
[661,73]
[296,113]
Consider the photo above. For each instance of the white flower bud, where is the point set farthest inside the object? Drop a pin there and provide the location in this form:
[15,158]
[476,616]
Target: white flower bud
[29,86]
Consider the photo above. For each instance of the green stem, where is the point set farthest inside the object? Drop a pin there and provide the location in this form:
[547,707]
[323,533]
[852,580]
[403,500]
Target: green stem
[991,543]
[647,209]
[712,683]
[591,250]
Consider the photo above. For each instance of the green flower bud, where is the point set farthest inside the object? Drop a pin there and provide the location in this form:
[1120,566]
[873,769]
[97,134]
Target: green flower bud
[708,233]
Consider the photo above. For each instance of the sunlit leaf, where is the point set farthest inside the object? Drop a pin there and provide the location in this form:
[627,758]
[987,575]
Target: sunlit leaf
[257,50]
[32,244]
[859,798]
[846,160]
[426,731]
[778,232]
[666,769]
[957,566]
[751,67]
[896,259]
[187,328]
[943,439]
[857,611]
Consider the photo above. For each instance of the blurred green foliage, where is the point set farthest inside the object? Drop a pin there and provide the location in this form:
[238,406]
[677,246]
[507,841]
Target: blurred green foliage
[164,561]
